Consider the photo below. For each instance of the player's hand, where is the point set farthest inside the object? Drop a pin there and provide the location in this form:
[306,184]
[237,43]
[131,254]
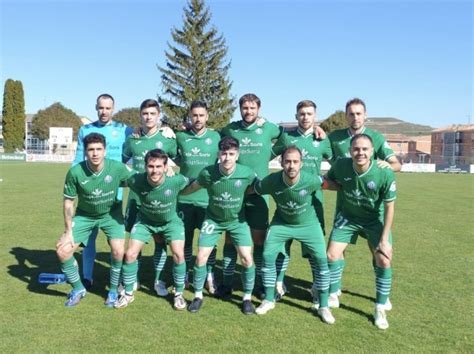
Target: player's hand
[137,133]
[383,164]
[169,171]
[167,132]
[385,248]
[65,240]
[319,133]
[260,121]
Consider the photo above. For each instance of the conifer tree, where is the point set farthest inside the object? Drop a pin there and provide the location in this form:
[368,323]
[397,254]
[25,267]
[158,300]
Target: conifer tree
[13,116]
[337,120]
[196,69]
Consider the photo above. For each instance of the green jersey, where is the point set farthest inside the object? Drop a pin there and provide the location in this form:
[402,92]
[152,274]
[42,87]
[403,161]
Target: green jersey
[96,191]
[226,193]
[293,203]
[194,153]
[363,194]
[312,149]
[255,143]
[136,148]
[158,203]
[341,144]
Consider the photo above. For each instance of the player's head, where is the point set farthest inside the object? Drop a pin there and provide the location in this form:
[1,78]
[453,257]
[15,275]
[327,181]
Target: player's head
[362,149]
[150,114]
[249,107]
[105,107]
[94,145]
[228,152]
[198,115]
[356,113]
[306,114]
[156,164]
[291,162]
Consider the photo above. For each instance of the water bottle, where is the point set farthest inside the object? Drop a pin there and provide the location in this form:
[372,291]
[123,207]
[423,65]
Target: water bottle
[51,278]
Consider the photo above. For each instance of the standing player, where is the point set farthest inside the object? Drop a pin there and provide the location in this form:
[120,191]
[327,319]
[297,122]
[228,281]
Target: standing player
[356,115]
[295,219]
[197,148]
[115,134]
[226,183]
[313,151]
[367,209]
[158,196]
[95,183]
[136,148]
[255,153]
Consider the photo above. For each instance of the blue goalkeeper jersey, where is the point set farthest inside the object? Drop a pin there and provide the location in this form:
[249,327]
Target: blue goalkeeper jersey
[115,135]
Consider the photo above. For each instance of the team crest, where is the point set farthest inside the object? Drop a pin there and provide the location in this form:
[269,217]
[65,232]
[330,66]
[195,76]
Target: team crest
[208,141]
[371,185]
[393,187]
[315,143]
[159,145]
[115,133]
[303,192]
[238,183]
[108,179]
[258,131]
[168,192]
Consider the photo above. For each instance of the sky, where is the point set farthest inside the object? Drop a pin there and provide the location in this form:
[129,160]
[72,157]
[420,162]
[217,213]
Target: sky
[412,60]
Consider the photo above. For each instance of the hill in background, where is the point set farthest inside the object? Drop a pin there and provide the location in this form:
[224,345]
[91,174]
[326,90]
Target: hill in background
[387,125]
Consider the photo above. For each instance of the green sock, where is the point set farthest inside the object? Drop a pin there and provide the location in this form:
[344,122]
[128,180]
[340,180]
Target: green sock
[383,284]
[129,271]
[179,273]
[258,259]
[282,262]
[115,268]
[335,271]
[248,279]
[159,259]
[230,258]
[322,275]
[71,271]
[199,274]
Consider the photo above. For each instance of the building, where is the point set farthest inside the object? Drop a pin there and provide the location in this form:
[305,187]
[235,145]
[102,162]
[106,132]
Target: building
[410,149]
[453,145]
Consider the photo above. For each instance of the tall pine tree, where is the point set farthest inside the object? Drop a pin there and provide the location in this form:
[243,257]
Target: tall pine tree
[196,69]
[13,119]
[337,120]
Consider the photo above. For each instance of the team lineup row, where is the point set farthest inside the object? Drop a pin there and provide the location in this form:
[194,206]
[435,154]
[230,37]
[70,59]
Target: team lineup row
[218,200]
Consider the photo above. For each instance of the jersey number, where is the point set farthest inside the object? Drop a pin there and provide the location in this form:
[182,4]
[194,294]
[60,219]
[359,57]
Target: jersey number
[207,228]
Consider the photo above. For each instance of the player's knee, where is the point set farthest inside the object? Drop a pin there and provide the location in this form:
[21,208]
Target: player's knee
[382,261]
[334,255]
[131,256]
[246,260]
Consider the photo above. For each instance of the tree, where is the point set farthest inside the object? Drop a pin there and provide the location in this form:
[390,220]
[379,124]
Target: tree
[13,119]
[55,115]
[196,69]
[129,116]
[337,120]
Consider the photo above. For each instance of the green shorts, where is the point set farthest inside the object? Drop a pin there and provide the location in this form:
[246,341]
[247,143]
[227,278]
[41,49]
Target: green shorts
[211,231]
[256,211]
[347,231]
[192,217]
[111,224]
[143,230]
[310,236]
[133,206]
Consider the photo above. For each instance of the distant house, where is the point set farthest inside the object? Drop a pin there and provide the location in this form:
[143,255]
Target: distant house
[453,144]
[415,149]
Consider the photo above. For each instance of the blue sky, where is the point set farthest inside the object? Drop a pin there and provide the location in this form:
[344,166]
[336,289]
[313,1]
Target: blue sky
[407,59]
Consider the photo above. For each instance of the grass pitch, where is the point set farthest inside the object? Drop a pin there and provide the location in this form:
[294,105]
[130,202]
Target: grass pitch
[432,291]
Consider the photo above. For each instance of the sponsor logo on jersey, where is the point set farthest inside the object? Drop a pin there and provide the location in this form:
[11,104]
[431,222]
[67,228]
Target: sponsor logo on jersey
[108,179]
[278,192]
[347,179]
[357,194]
[83,182]
[246,141]
[304,152]
[315,143]
[226,195]
[303,192]
[208,141]
[291,204]
[168,192]
[238,183]
[259,131]
[371,185]
[143,193]
[195,150]
[159,145]
[97,192]
[188,139]
[155,203]
[393,187]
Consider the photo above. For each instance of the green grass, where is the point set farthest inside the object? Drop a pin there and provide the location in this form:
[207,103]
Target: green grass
[432,292]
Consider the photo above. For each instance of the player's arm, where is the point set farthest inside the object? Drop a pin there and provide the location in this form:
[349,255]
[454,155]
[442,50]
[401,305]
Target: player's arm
[191,188]
[330,184]
[391,162]
[79,149]
[66,239]
[384,246]
[319,133]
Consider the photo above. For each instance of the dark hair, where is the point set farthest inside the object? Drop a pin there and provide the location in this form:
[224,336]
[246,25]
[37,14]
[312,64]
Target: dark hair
[228,143]
[361,136]
[355,101]
[304,104]
[249,97]
[93,138]
[156,154]
[150,103]
[198,104]
[106,96]
[291,148]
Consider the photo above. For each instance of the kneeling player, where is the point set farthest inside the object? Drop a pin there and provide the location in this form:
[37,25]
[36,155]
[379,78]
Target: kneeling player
[295,218]
[226,183]
[95,183]
[157,215]
[367,209]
